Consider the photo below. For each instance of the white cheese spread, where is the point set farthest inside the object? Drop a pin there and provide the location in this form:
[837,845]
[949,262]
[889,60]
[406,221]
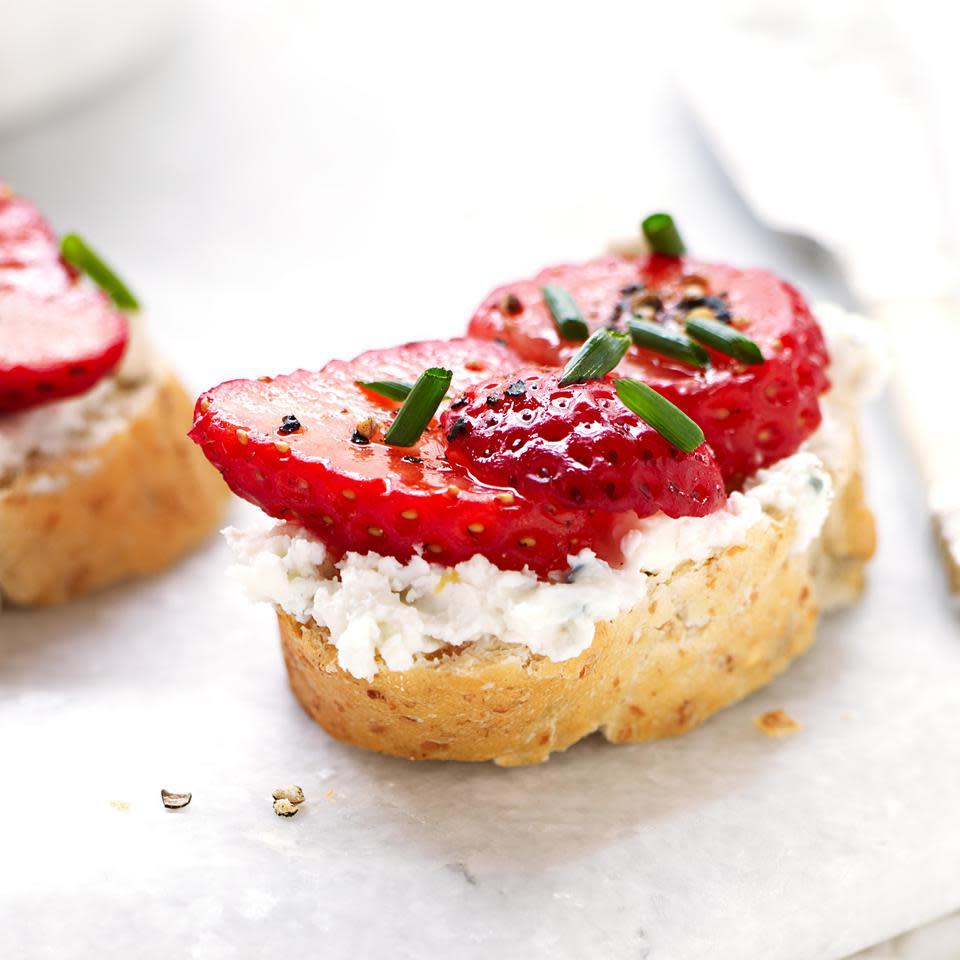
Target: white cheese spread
[78,423]
[375,605]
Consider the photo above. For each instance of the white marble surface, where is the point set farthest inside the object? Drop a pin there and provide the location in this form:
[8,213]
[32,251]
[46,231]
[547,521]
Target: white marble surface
[287,188]
[936,940]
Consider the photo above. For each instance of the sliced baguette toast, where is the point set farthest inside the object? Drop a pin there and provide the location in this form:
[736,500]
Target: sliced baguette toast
[116,508]
[705,636]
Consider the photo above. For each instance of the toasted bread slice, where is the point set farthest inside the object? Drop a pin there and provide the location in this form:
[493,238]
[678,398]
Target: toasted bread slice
[706,635]
[110,507]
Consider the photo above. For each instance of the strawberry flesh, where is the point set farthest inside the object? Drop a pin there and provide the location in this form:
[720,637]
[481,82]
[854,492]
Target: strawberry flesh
[515,467]
[55,347]
[577,446]
[751,415]
[58,337]
[369,496]
[29,250]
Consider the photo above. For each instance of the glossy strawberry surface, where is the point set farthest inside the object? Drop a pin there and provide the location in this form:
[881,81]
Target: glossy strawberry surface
[55,347]
[751,415]
[578,446]
[58,336]
[357,493]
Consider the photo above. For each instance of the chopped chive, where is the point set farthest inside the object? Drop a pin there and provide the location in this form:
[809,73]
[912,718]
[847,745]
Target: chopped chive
[667,419]
[75,250]
[652,336]
[597,357]
[391,389]
[724,339]
[565,312]
[662,235]
[418,409]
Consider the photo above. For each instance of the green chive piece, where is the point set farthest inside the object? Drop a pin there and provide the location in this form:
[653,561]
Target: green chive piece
[662,235]
[668,420]
[724,339]
[418,409]
[652,336]
[596,358]
[391,389]
[565,312]
[74,249]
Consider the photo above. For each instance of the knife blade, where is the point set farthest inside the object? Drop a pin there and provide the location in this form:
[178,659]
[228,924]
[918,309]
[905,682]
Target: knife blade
[824,128]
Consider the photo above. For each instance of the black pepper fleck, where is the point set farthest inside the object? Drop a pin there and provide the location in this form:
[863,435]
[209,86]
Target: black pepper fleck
[412,459]
[632,289]
[458,403]
[459,426]
[613,323]
[290,424]
[493,399]
[516,389]
[647,300]
[720,308]
[511,304]
[716,304]
[359,439]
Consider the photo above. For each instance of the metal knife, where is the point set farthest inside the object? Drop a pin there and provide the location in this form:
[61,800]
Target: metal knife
[820,116]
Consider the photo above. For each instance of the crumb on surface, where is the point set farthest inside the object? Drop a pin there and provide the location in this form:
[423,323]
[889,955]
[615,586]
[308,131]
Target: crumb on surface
[293,793]
[776,723]
[331,793]
[284,808]
[119,804]
[175,801]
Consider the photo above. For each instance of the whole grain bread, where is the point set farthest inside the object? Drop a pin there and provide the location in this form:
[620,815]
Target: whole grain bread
[124,507]
[705,636]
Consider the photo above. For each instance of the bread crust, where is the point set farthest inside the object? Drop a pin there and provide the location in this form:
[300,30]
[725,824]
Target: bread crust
[129,506]
[705,636]
[848,539]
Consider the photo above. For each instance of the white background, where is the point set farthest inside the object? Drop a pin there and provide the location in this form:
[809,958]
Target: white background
[289,182]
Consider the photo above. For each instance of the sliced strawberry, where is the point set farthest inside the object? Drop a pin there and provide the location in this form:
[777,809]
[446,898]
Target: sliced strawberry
[29,250]
[55,347]
[57,337]
[297,446]
[751,415]
[578,446]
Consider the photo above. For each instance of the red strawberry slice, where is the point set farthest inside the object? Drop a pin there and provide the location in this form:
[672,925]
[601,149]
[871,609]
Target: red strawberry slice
[29,250]
[579,446]
[751,415]
[55,347]
[369,496]
[57,337]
